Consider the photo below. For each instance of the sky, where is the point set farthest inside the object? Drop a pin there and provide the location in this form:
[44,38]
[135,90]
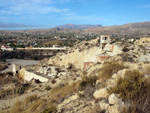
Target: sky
[44,14]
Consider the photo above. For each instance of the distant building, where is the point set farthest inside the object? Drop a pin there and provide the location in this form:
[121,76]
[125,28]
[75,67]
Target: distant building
[104,39]
[16,68]
[29,47]
[6,48]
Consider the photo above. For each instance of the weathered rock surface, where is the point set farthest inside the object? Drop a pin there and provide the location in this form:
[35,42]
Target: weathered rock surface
[103,105]
[102,93]
[114,99]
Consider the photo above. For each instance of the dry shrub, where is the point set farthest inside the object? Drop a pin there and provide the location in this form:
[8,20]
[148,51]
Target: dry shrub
[147,70]
[109,68]
[125,49]
[51,109]
[48,88]
[31,98]
[87,81]
[38,106]
[62,91]
[134,89]
[18,107]
[87,85]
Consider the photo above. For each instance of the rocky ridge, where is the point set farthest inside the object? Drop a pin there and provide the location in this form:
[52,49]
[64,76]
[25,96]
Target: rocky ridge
[72,89]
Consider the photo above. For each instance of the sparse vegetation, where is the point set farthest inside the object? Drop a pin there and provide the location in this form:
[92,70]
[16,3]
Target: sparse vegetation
[125,49]
[31,98]
[87,81]
[133,89]
[51,109]
[147,70]
[47,88]
[22,89]
[109,68]
[18,107]
[61,91]
[143,48]
[14,80]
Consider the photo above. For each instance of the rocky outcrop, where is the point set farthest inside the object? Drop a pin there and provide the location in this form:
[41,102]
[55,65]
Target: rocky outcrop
[76,58]
[102,93]
[114,99]
[143,41]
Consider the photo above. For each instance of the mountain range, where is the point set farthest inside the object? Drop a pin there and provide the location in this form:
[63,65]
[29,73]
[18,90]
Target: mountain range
[84,26]
[130,28]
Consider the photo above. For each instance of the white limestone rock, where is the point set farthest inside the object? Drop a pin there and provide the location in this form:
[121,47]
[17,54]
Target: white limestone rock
[121,73]
[102,93]
[103,105]
[115,75]
[114,99]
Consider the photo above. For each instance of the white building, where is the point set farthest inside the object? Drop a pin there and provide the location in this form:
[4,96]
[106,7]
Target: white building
[6,48]
[104,39]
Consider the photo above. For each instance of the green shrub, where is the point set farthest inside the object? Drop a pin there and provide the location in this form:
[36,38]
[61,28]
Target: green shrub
[22,89]
[134,89]
[3,60]
[109,68]
[51,109]
[14,80]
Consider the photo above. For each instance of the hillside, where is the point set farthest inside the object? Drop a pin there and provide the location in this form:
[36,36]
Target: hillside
[72,26]
[131,28]
[84,79]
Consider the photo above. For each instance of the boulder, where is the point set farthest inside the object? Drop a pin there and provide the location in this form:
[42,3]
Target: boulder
[114,99]
[121,73]
[102,93]
[111,81]
[114,76]
[103,105]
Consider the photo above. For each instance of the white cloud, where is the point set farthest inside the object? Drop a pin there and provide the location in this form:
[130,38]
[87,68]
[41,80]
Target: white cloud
[90,18]
[67,14]
[30,7]
[15,25]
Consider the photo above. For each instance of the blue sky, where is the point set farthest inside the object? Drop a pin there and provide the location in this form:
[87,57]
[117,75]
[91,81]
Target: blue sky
[35,14]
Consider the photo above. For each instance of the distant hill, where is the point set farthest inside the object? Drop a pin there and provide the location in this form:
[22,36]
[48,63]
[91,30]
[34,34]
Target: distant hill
[126,29]
[130,28]
[85,26]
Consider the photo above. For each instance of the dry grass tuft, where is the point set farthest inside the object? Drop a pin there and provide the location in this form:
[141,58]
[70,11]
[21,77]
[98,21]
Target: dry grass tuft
[147,70]
[62,91]
[31,98]
[109,68]
[87,81]
[18,107]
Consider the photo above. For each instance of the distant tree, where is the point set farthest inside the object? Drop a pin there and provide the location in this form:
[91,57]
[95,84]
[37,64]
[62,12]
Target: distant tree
[3,60]
[1,40]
